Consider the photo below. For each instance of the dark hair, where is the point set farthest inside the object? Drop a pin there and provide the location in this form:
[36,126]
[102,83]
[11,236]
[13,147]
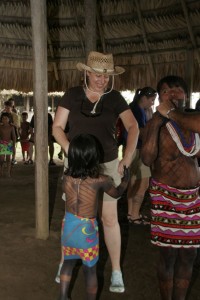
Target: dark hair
[25,113]
[8,103]
[83,157]
[146,91]
[172,81]
[5,114]
[197,106]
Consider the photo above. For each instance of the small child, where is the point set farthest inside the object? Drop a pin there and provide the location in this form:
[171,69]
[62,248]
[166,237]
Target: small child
[82,182]
[24,132]
[7,142]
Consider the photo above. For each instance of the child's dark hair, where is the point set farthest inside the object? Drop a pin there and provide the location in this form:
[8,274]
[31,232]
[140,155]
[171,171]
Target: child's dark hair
[24,113]
[5,114]
[172,81]
[83,157]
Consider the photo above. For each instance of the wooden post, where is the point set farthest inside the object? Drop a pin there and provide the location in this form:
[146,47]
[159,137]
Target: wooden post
[189,71]
[39,33]
[52,104]
[90,26]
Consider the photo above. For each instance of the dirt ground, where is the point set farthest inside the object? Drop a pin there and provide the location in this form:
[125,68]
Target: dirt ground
[28,265]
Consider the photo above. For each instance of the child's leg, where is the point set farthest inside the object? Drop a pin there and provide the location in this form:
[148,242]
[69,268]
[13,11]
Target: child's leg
[90,282]
[26,155]
[65,277]
[8,162]
[23,155]
[1,164]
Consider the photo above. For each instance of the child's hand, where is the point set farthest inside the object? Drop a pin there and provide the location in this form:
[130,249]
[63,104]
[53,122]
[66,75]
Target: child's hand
[126,175]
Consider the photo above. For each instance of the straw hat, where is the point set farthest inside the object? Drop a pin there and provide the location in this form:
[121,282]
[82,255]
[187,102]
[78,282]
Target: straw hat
[100,63]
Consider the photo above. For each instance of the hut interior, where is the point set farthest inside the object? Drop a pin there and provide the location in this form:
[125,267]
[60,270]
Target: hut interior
[150,39]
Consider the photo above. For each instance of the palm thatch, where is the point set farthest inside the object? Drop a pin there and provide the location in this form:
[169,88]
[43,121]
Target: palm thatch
[150,39]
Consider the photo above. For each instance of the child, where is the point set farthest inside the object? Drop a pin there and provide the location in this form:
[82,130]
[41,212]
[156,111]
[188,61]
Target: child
[24,132]
[7,142]
[81,184]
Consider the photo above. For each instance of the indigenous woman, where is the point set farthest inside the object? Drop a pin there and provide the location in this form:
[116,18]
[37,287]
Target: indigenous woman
[172,152]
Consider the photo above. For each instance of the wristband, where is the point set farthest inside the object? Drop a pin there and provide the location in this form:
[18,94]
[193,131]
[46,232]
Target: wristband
[168,112]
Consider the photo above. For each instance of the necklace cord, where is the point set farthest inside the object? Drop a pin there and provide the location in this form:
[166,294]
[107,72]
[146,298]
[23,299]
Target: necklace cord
[93,111]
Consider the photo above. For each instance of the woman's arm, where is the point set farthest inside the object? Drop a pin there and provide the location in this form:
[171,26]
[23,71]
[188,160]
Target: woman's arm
[131,126]
[58,127]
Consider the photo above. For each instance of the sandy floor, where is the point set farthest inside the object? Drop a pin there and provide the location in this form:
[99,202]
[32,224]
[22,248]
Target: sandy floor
[28,265]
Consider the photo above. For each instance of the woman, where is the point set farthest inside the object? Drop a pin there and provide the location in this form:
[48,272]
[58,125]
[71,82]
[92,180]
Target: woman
[171,151]
[7,142]
[94,109]
[143,100]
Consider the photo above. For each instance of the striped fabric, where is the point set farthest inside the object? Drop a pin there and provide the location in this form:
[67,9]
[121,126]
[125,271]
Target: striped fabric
[175,216]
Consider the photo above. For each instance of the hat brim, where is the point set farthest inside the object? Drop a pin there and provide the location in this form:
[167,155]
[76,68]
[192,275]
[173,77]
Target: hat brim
[116,71]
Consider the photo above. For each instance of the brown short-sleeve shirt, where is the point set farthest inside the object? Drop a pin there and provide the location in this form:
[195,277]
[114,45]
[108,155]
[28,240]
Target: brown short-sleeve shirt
[102,126]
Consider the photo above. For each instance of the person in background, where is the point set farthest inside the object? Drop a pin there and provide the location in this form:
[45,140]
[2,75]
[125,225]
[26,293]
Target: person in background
[143,100]
[15,121]
[24,132]
[171,151]
[60,154]
[81,184]
[197,108]
[94,109]
[50,139]
[7,142]
[12,102]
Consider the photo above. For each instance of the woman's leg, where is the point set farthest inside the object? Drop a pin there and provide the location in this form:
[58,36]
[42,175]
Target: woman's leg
[112,237]
[112,233]
[166,272]
[65,277]
[90,282]
[183,272]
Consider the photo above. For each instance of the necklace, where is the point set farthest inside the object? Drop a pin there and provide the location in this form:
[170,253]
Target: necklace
[189,149]
[93,111]
[186,144]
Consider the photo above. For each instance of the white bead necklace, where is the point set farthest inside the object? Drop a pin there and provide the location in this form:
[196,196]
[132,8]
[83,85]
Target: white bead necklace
[195,148]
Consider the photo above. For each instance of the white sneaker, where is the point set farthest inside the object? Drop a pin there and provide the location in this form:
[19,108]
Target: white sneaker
[57,279]
[117,284]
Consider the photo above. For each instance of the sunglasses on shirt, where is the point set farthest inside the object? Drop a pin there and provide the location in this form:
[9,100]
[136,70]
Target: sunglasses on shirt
[91,111]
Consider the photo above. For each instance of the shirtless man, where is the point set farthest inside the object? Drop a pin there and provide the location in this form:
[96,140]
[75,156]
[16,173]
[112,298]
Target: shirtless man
[171,153]
[7,142]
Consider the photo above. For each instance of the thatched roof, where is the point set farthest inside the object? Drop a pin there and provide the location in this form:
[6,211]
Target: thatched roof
[149,38]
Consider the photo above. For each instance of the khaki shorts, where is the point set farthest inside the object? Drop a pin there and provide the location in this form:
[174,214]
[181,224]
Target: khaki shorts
[108,168]
[138,169]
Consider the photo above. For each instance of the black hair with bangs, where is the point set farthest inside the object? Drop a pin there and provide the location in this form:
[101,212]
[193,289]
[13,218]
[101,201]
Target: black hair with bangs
[172,81]
[83,157]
